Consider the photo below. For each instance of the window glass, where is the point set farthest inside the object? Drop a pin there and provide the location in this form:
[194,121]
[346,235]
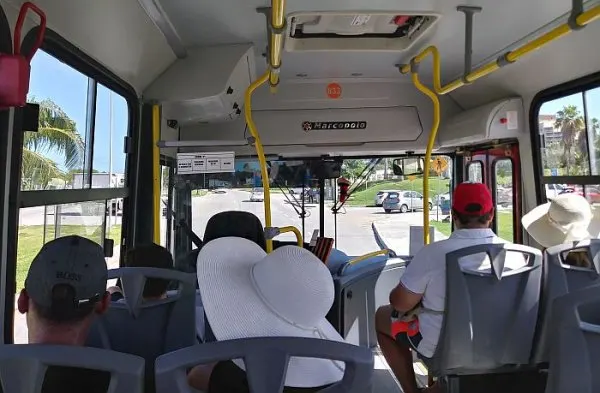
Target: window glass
[569,134]
[41,224]
[112,119]
[57,150]
[563,136]
[475,172]
[504,199]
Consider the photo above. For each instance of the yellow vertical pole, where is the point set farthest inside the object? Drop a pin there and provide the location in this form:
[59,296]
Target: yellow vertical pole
[156,173]
[427,165]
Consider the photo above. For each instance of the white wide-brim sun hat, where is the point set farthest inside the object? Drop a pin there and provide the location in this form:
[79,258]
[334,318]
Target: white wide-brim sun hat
[567,218]
[287,293]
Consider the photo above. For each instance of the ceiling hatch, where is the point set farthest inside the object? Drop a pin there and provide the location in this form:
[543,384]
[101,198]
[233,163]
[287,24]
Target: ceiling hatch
[388,31]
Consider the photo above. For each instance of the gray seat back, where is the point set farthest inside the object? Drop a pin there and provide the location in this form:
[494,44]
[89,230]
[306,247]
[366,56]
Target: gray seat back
[148,329]
[266,361]
[575,353]
[490,317]
[23,367]
[559,280]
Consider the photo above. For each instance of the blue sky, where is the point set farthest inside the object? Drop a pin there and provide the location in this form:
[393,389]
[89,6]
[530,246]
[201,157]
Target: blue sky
[67,87]
[592,101]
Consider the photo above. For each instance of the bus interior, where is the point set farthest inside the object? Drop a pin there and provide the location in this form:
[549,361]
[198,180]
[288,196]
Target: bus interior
[344,126]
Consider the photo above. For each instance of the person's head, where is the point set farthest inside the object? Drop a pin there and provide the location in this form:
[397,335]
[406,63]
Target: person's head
[472,206]
[64,288]
[567,218]
[151,255]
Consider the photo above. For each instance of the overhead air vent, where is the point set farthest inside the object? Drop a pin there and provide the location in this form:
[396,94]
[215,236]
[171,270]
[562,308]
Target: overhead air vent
[355,31]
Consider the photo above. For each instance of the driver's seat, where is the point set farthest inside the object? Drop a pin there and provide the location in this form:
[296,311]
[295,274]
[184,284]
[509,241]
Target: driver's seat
[225,224]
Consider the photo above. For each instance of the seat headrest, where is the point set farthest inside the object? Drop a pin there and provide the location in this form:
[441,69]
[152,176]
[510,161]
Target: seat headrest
[133,280]
[236,224]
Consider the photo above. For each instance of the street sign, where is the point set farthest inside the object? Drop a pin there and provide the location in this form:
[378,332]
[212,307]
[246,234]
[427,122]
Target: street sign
[439,165]
[554,172]
[194,163]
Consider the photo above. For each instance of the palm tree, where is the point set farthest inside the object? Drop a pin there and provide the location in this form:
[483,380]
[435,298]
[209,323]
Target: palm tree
[57,133]
[572,125]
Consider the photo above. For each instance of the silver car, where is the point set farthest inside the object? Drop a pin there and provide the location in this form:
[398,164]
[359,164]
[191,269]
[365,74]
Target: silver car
[381,195]
[404,201]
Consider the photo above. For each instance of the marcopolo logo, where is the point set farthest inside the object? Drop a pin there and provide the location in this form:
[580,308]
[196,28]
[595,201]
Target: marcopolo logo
[333,125]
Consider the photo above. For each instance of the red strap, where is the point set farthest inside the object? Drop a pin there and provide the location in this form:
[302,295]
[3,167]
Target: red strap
[19,27]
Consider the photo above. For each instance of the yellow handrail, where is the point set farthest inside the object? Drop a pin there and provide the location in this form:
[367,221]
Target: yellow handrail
[277,23]
[356,260]
[432,134]
[296,232]
[156,173]
[582,20]
[259,150]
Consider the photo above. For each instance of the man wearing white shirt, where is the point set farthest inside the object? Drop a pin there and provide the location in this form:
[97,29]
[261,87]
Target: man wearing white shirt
[424,283]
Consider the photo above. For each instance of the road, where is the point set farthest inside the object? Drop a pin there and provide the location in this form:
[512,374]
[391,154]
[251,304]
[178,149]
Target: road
[354,227]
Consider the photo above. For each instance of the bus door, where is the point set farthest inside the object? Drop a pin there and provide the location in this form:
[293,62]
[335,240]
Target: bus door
[499,167]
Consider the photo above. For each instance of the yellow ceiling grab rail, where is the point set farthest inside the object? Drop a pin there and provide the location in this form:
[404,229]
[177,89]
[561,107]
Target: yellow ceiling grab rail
[581,20]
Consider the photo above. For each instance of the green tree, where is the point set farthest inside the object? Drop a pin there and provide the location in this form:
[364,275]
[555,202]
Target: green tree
[572,125]
[57,133]
[351,169]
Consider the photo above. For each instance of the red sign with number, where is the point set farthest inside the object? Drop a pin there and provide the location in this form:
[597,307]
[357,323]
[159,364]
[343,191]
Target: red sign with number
[334,90]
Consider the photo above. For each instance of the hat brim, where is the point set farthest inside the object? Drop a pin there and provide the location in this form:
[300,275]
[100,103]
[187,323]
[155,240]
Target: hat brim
[235,310]
[538,226]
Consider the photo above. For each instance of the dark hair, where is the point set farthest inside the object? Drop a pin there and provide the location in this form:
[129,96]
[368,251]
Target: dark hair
[64,308]
[151,255]
[472,220]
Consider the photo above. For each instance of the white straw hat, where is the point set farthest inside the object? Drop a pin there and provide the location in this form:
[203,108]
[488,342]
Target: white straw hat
[567,218]
[247,293]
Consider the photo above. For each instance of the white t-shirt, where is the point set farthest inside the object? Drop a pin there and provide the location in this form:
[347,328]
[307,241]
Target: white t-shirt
[426,274]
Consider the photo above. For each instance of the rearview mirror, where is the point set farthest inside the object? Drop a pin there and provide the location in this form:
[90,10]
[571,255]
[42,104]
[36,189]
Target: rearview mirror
[326,169]
[408,166]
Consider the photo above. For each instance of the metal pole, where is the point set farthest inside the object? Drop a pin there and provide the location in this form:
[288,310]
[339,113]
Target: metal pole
[322,206]
[110,143]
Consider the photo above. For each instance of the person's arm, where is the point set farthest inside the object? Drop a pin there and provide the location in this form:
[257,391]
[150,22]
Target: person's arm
[409,292]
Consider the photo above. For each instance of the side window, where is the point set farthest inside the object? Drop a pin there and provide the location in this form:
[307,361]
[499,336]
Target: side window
[504,198]
[475,172]
[407,195]
[57,151]
[79,145]
[112,119]
[569,133]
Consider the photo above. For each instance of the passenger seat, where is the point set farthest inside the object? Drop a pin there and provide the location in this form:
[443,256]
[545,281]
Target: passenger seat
[23,367]
[561,279]
[148,329]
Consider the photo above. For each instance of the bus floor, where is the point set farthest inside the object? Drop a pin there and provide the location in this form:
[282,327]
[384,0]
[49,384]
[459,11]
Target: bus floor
[523,382]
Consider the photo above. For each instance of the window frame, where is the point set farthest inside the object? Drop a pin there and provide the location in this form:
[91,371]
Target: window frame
[576,86]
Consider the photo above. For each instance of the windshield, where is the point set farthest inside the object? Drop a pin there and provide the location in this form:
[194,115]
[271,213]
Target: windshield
[294,191]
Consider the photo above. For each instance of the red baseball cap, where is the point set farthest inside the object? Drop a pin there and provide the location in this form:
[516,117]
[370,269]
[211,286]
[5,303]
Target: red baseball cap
[472,199]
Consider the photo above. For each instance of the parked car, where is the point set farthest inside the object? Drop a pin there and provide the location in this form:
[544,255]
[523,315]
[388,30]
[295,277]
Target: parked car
[504,196]
[381,195]
[258,195]
[220,191]
[592,194]
[552,190]
[404,201]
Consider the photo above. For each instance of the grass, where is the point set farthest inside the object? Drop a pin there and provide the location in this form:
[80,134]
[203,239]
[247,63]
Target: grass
[505,226]
[31,240]
[367,197]
[199,193]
